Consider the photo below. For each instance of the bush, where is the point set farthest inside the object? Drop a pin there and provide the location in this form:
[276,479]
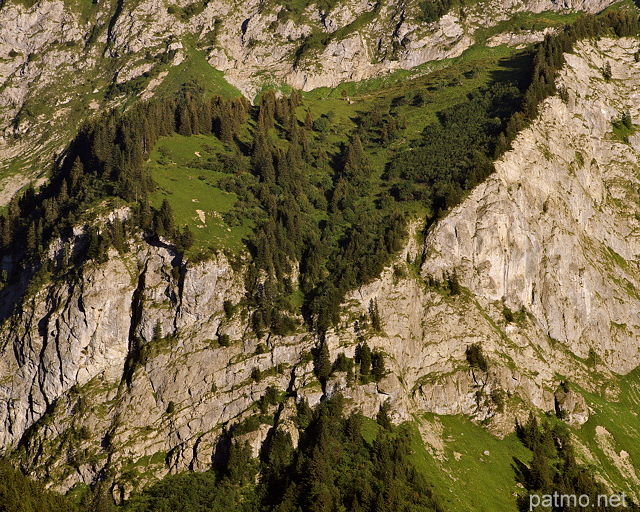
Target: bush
[256,374]
[321,125]
[476,358]
[271,397]
[342,363]
[250,424]
[229,308]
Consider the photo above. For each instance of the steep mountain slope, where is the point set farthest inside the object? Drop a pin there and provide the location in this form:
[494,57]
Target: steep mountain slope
[552,233]
[60,62]
[555,231]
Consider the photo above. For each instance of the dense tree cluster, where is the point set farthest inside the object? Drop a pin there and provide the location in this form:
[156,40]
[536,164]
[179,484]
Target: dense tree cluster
[107,159]
[19,493]
[549,57]
[554,468]
[334,255]
[456,153]
[333,468]
[325,221]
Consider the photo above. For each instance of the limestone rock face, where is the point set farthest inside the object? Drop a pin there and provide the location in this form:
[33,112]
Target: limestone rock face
[554,231]
[571,406]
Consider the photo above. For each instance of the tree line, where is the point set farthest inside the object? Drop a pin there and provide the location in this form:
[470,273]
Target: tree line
[107,160]
[555,469]
[333,468]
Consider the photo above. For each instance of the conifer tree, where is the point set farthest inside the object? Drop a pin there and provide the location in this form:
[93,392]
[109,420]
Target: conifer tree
[322,364]
[308,121]
[364,358]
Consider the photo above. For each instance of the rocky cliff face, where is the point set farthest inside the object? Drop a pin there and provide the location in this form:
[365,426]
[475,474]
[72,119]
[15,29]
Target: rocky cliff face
[125,364]
[59,62]
[555,230]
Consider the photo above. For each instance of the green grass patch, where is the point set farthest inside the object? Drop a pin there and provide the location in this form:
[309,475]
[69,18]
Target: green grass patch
[622,131]
[419,98]
[195,68]
[463,477]
[620,418]
[527,22]
[192,192]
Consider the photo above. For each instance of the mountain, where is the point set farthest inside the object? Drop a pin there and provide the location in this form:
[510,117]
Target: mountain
[434,222]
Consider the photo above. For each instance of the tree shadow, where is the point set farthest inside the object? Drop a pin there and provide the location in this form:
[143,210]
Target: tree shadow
[517,69]
[521,470]
[522,475]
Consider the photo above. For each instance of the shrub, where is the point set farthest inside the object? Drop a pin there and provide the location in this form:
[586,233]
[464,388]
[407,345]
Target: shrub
[476,358]
[342,363]
[256,374]
[229,308]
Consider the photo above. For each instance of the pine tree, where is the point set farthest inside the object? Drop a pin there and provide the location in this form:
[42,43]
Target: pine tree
[183,118]
[383,418]
[262,159]
[267,111]
[374,315]
[157,331]
[322,364]
[354,158]
[364,357]
[186,239]
[5,232]
[165,220]
[226,122]
[145,217]
[63,196]
[308,121]
[241,466]
[378,369]
[32,241]
[118,236]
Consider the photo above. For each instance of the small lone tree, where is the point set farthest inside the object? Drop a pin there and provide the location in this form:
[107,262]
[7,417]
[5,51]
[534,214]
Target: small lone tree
[476,358]
[157,331]
[383,418]
[322,363]
[364,358]
[377,365]
[374,314]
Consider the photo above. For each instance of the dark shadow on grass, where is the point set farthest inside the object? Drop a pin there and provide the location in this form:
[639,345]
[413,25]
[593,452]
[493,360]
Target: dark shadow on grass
[517,68]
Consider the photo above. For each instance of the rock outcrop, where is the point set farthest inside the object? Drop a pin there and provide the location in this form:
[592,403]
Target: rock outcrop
[555,232]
